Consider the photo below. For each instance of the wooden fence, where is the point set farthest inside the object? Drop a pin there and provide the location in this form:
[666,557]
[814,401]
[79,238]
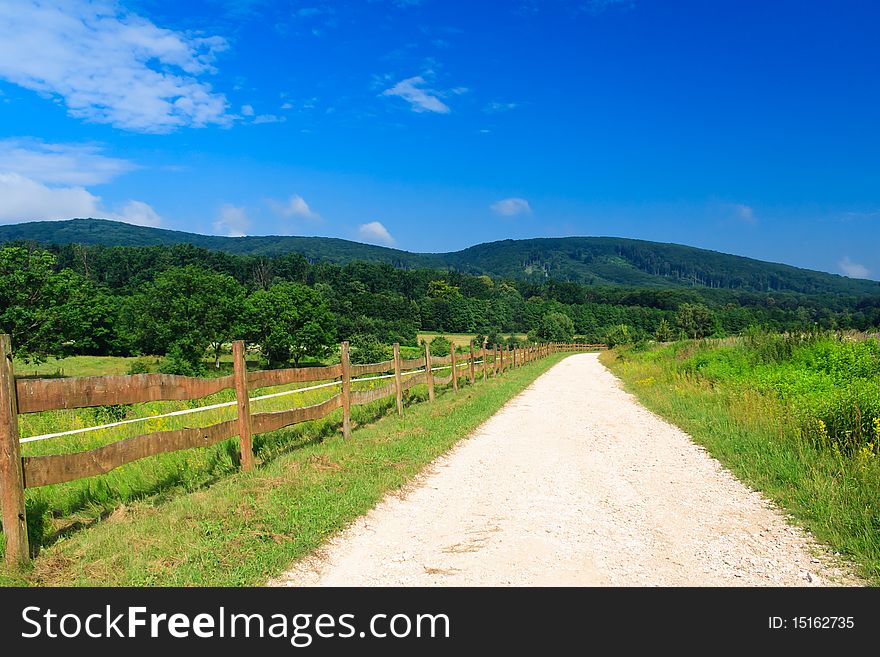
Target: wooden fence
[19,396]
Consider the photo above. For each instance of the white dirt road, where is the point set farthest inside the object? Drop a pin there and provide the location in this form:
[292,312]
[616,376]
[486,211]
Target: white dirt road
[574,483]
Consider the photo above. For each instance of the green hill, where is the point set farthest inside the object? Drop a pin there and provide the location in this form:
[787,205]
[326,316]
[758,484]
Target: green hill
[591,260]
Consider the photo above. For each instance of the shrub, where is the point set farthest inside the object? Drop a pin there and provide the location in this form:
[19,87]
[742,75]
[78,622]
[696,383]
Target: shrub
[440,346]
[617,335]
[367,349]
[139,366]
[176,362]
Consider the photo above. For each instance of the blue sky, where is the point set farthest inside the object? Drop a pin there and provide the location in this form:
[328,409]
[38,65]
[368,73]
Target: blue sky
[430,125]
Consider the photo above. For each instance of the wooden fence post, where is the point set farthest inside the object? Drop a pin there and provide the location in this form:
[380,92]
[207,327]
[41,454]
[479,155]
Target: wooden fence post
[495,361]
[472,365]
[239,371]
[454,367]
[346,391]
[485,364]
[398,386]
[501,352]
[11,476]
[429,376]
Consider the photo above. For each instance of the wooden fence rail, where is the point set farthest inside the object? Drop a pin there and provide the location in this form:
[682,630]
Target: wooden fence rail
[20,396]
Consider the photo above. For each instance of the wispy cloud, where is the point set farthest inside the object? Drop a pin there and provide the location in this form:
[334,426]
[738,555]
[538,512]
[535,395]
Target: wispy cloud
[859,216]
[853,269]
[497,108]
[43,181]
[377,233]
[420,98]
[232,221]
[744,213]
[65,164]
[268,118]
[109,65]
[598,6]
[293,207]
[510,207]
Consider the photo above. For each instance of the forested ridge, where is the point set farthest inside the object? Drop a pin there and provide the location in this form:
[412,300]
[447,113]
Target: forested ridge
[589,260]
[184,301]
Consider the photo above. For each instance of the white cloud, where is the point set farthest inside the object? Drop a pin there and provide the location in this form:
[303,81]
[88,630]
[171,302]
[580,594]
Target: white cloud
[510,207]
[109,65]
[232,221]
[139,214]
[420,99]
[65,164]
[745,213]
[268,118]
[497,108]
[24,199]
[40,181]
[377,233]
[247,110]
[853,269]
[287,106]
[295,206]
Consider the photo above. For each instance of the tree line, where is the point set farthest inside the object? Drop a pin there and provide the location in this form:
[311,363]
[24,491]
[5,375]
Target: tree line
[185,302]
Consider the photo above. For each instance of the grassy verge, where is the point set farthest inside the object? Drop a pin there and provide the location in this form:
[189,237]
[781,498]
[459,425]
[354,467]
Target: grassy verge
[765,438]
[242,529]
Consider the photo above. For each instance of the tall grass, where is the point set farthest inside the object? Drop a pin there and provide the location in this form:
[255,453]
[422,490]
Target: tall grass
[796,416]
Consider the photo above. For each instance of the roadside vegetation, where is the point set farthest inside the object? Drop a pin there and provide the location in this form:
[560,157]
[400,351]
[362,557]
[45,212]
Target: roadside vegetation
[794,415]
[193,518]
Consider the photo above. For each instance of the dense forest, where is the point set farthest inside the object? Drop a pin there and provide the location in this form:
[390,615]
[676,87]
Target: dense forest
[184,301]
[597,261]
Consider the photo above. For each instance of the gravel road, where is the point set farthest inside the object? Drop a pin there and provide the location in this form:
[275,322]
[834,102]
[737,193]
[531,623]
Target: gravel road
[574,483]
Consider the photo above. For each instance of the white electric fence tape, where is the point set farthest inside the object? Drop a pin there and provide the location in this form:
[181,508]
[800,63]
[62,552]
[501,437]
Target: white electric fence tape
[211,407]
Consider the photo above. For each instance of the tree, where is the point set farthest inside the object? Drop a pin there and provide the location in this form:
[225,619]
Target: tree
[664,332]
[39,308]
[443,290]
[290,321]
[556,327]
[366,348]
[618,334]
[183,312]
[440,346]
[695,319]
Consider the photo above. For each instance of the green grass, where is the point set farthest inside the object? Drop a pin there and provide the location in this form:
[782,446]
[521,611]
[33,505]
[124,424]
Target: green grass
[757,414]
[228,528]
[53,511]
[80,366]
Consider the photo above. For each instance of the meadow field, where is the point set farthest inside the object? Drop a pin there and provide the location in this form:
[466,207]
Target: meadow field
[459,339]
[796,416]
